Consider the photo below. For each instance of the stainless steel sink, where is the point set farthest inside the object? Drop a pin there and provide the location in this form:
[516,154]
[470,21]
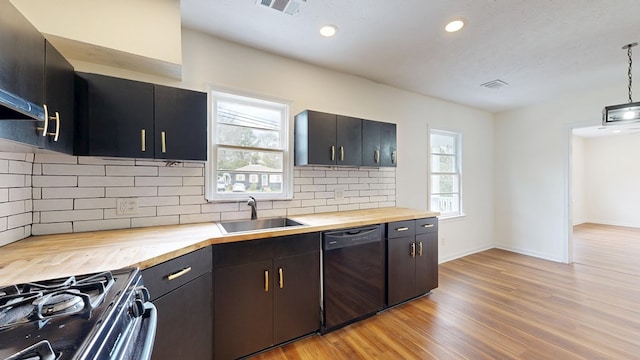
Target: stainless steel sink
[228,227]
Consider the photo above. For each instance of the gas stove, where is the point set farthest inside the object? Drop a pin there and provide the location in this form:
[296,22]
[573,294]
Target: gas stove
[104,315]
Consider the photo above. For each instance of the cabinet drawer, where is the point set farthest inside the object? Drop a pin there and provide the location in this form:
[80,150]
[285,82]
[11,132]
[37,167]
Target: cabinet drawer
[170,275]
[401,229]
[427,225]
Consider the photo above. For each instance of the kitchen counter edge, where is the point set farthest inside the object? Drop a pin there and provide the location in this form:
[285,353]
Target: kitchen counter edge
[51,256]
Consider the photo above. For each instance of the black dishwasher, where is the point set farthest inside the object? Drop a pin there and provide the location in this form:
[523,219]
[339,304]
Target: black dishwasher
[352,275]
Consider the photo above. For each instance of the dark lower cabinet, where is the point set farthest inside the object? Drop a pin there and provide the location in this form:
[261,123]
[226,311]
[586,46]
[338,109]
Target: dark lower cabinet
[267,292]
[412,259]
[182,291]
[184,322]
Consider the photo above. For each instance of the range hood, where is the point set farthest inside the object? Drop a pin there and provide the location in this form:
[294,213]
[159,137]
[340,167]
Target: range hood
[15,108]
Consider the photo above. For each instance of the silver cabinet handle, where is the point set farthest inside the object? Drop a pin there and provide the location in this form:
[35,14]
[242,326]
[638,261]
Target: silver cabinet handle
[394,157]
[420,248]
[45,129]
[281,279]
[143,135]
[402,229]
[178,274]
[377,156]
[427,225]
[341,153]
[164,142]
[413,249]
[333,152]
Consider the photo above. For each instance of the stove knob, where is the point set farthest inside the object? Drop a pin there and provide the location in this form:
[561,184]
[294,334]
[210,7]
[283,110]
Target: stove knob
[142,293]
[137,308]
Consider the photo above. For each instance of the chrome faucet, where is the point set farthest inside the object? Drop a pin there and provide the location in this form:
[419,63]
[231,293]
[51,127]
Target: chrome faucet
[252,202]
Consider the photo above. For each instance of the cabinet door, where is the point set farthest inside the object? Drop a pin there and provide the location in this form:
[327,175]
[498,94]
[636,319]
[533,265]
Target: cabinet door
[296,296]
[427,263]
[348,141]
[59,95]
[185,322]
[180,124]
[401,267]
[371,135]
[321,138]
[243,309]
[388,145]
[21,58]
[118,119]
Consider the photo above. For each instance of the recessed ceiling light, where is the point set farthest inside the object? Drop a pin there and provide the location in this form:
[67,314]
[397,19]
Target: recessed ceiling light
[328,30]
[454,26]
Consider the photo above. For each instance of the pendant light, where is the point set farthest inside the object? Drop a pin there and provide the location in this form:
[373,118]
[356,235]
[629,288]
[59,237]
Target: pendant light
[624,113]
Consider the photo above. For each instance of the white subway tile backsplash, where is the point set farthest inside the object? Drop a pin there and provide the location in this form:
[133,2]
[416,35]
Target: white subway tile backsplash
[157,181]
[180,171]
[94,203]
[53,228]
[155,221]
[95,181]
[198,218]
[53,204]
[142,212]
[71,194]
[71,215]
[62,169]
[158,201]
[12,180]
[180,190]
[177,210]
[54,181]
[11,235]
[131,170]
[20,167]
[19,220]
[96,225]
[131,191]
[55,159]
[12,208]
[16,194]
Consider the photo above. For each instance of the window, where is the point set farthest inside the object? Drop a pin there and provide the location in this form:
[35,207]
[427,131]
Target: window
[445,169]
[249,145]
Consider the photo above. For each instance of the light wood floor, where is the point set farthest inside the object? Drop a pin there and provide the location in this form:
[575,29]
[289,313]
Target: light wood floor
[501,305]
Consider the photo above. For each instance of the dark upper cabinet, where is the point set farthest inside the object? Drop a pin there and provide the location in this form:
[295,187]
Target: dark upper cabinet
[114,117]
[59,98]
[180,124]
[412,259]
[327,139]
[126,118]
[21,58]
[32,70]
[378,144]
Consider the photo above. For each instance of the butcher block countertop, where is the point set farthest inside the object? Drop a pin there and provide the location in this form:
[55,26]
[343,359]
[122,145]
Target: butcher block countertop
[51,256]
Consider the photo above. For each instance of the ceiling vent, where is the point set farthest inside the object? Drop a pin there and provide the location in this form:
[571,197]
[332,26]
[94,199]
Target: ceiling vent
[495,84]
[286,6]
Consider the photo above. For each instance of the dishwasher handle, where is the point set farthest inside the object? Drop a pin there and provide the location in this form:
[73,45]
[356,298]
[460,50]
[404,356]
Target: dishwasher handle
[351,237]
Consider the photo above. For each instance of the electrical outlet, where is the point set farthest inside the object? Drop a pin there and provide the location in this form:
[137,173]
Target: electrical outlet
[338,194]
[127,206]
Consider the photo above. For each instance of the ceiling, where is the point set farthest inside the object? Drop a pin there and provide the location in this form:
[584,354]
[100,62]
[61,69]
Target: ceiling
[543,49]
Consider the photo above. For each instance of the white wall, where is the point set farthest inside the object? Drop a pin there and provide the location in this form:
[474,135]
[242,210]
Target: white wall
[612,179]
[578,179]
[208,60]
[532,171]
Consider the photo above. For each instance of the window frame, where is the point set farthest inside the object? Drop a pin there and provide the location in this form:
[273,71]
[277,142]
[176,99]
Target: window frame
[286,142]
[457,136]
